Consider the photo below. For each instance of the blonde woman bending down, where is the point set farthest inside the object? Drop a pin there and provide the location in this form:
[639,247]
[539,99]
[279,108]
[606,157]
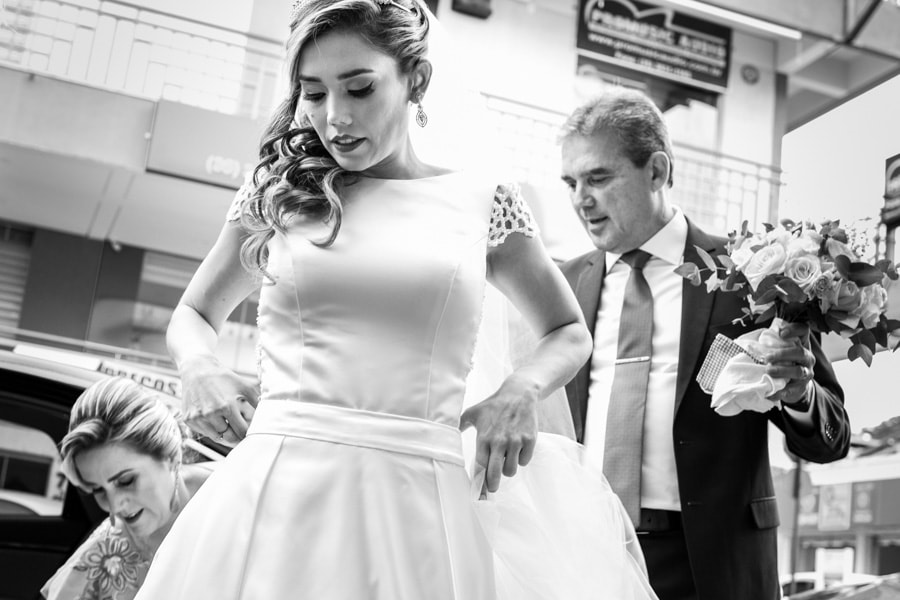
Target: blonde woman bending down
[124,447]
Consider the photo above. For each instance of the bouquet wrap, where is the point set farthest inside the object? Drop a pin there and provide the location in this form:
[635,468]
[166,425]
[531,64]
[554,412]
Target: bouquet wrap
[735,372]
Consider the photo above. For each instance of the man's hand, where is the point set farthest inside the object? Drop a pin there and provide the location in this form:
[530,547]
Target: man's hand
[794,362]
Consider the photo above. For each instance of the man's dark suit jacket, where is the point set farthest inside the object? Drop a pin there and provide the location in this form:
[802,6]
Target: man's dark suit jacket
[728,504]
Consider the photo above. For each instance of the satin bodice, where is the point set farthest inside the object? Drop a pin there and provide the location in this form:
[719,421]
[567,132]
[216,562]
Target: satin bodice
[384,319]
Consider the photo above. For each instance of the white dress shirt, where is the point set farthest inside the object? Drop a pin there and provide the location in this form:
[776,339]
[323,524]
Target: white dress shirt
[659,482]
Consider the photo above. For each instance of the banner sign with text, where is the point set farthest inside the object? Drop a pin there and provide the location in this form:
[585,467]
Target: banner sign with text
[202,145]
[655,40]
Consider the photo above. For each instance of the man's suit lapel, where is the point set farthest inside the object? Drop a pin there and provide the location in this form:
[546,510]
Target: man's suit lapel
[587,291]
[696,309]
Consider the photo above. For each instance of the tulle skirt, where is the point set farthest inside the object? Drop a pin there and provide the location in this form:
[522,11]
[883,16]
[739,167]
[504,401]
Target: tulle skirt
[327,502]
[558,531]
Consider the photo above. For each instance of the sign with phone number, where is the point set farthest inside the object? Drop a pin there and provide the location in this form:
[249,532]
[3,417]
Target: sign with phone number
[656,41]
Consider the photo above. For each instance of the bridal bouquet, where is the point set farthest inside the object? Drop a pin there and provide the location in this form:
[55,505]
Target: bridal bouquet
[800,273]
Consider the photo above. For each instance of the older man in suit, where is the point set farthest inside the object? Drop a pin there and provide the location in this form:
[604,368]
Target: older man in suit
[696,484]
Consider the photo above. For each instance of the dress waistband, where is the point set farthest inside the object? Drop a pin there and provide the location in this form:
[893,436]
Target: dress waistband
[355,427]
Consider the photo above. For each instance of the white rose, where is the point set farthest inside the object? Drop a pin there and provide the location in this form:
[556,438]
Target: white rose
[873,299]
[813,235]
[741,257]
[804,244]
[779,235]
[766,261]
[804,270]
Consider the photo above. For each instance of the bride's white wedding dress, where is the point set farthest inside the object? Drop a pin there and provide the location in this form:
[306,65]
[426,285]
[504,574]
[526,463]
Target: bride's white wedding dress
[351,483]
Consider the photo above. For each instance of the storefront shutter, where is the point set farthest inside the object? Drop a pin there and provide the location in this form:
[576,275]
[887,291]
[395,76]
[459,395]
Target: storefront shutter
[15,256]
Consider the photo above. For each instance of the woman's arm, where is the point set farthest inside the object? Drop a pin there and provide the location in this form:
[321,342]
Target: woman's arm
[507,421]
[521,269]
[80,576]
[217,402]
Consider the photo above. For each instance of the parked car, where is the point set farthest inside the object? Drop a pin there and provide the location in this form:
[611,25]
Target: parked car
[24,503]
[860,586]
[803,581]
[43,518]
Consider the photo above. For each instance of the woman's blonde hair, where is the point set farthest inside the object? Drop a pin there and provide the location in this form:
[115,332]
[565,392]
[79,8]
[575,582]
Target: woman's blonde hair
[296,175]
[118,410]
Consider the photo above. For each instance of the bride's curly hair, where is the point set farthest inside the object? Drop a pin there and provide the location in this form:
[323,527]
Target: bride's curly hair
[296,175]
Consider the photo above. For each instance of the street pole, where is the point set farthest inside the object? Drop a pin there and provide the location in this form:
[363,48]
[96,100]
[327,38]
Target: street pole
[795,532]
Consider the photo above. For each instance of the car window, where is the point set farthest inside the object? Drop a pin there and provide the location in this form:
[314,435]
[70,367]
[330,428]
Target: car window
[31,482]
[800,586]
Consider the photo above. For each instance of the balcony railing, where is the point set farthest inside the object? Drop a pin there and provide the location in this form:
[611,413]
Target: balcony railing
[143,52]
[717,191]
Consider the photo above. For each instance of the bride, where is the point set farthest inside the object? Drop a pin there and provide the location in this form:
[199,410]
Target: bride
[349,480]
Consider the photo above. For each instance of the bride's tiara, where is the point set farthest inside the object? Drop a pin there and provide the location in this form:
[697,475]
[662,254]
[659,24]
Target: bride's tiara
[295,9]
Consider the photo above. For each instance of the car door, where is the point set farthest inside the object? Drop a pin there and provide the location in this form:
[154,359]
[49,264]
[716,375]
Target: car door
[36,537]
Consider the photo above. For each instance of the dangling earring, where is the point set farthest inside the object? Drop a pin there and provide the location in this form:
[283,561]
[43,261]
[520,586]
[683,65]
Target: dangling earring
[175,502]
[421,117]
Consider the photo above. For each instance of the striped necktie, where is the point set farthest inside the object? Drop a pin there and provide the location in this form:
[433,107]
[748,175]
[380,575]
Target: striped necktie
[625,422]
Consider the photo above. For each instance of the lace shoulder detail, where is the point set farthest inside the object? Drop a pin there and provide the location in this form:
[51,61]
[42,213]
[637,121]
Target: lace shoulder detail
[510,214]
[237,205]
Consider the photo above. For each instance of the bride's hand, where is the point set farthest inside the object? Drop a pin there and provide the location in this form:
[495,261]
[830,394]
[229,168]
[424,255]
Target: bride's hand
[506,425]
[217,402]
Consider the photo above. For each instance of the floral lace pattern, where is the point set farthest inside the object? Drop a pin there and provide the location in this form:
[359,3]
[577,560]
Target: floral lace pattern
[106,567]
[510,214]
[244,192]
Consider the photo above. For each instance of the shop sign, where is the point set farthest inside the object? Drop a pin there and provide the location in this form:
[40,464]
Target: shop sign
[147,376]
[886,506]
[202,145]
[834,507]
[161,382]
[809,508]
[863,502]
[655,40]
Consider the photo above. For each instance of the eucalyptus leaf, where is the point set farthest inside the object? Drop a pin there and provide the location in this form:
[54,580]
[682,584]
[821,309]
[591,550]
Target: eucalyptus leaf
[860,351]
[866,338]
[880,332]
[726,261]
[888,268]
[790,292]
[860,273]
[892,325]
[766,315]
[707,259]
[689,271]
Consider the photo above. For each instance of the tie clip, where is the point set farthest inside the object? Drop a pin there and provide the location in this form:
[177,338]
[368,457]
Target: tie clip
[625,361]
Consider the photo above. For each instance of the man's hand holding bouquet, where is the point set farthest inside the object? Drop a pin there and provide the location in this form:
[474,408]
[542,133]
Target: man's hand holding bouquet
[798,279]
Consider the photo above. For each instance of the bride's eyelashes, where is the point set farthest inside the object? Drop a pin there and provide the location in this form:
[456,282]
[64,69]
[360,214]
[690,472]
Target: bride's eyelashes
[362,92]
[312,97]
[316,97]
